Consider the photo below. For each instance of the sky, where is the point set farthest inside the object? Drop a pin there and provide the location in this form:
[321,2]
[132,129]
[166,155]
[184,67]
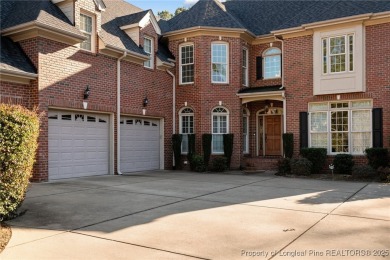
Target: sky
[160,5]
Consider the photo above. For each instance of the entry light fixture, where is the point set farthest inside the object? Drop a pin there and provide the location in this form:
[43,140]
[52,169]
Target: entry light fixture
[87,92]
[146,101]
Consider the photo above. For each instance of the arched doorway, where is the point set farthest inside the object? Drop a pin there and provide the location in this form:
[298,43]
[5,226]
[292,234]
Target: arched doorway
[269,131]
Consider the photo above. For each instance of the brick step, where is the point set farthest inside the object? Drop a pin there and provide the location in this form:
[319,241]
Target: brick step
[261,163]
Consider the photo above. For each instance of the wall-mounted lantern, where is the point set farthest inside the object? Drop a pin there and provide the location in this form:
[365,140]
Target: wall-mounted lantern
[87,92]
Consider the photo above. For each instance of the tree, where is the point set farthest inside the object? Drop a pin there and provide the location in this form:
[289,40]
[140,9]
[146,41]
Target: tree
[179,10]
[165,15]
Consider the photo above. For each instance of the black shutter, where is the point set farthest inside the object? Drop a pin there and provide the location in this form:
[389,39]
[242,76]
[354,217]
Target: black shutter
[259,67]
[303,130]
[377,127]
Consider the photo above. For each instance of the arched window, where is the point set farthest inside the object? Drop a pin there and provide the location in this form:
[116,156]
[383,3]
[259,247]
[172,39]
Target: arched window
[186,126]
[272,63]
[245,130]
[220,126]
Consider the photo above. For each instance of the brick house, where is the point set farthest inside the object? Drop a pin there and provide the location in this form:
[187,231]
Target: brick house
[255,69]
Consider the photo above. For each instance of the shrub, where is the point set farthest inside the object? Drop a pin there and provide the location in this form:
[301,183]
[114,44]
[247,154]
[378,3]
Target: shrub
[377,157]
[228,148]
[343,164]
[191,149]
[284,166]
[198,163]
[176,145]
[363,172]
[206,143]
[219,164]
[288,144]
[18,144]
[317,156]
[301,166]
[384,173]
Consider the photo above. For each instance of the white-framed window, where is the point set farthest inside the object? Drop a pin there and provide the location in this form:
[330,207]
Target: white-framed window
[245,130]
[272,62]
[148,48]
[245,67]
[187,64]
[337,54]
[219,62]
[341,127]
[88,29]
[220,126]
[186,126]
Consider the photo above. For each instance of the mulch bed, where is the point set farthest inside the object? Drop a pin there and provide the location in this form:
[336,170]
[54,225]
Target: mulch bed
[5,235]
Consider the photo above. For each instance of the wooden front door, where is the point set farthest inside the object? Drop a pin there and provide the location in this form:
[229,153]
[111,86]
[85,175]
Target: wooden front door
[273,135]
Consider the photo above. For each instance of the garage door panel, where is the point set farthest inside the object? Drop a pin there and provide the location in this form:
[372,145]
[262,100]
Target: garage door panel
[77,148]
[140,144]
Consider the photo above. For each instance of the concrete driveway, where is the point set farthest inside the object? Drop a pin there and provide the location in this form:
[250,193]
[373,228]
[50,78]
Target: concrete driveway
[181,215]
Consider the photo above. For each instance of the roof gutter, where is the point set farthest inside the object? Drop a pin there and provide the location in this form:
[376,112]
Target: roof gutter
[118,113]
[21,74]
[128,52]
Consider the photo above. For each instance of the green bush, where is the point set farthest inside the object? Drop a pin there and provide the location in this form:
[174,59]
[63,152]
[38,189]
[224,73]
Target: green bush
[18,144]
[343,164]
[176,145]
[191,149]
[301,166]
[219,164]
[284,166]
[228,148]
[377,157]
[363,172]
[206,143]
[288,144]
[384,173]
[198,163]
[317,156]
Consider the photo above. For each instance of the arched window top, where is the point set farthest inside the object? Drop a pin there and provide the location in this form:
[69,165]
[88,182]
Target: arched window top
[187,110]
[272,51]
[220,110]
[245,111]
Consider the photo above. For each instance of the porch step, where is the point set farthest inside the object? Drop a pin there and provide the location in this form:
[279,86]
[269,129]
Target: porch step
[261,163]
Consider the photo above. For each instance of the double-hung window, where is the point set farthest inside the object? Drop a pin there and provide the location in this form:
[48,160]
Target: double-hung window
[220,125]
[341,127]
[187,64]
[87,28]
[272,63]
[148,48]
[245,67]
[186,127]
[219,63]
[337,54]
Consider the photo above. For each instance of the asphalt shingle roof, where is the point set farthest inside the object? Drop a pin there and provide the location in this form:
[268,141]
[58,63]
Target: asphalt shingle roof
[163,53]
[207,13]
[18,12]
[12,57]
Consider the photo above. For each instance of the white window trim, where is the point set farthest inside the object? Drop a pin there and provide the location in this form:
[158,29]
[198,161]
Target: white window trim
[246,117]
[246,67]
[263,65]
[181,114]
[212,126]
[227,63]
[350,131]
[93,33]
[181,65]
[151,54]
[347,54]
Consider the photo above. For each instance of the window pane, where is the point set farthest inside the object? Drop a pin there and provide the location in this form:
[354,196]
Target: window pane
[87,44]
[319,122]
[184,144]
[272,66]
[361,121]
[319,140]
[350,39]
[360,141]
[318,106]
[217,143]
[325,56]
[340,143]
[362,104]
[187,73]
[219,62]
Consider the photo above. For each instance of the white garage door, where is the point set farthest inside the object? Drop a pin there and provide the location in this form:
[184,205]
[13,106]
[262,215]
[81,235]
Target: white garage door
[78,144]
[140,144]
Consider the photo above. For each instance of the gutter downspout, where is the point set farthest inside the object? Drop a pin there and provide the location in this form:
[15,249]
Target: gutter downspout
[173,107]
[284,98]
[118,113]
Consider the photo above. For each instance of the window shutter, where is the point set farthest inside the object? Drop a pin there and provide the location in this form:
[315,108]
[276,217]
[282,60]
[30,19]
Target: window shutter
[259,67]
[303,130]
[377,127]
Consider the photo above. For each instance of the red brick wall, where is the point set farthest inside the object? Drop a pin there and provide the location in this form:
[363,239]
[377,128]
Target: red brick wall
[16,94]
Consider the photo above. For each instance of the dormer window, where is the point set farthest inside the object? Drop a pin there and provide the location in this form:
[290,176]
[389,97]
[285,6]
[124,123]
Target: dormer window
[87,28]
[148,48]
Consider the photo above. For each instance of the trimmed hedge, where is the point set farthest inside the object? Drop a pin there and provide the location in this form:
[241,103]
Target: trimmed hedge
[377,157]
[191,149]
[198,163]
[317,156]
[206,144]
[343,164]
[284,167]
[362,172]
[301,166]
[288,145]
[176,146]
[19,130]
[219,164]
[228,148]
